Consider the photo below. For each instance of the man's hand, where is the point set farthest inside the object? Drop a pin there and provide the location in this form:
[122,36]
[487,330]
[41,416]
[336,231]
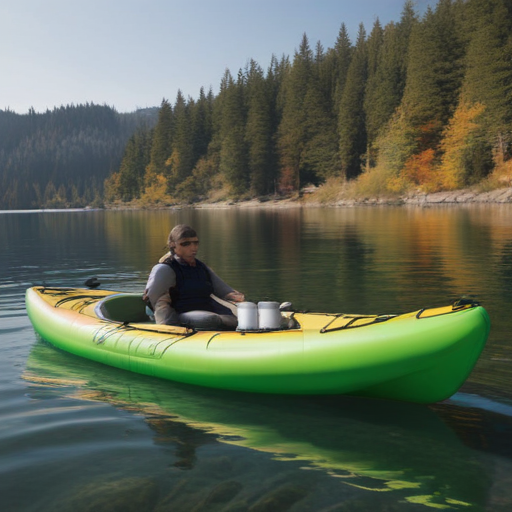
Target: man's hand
[235,296]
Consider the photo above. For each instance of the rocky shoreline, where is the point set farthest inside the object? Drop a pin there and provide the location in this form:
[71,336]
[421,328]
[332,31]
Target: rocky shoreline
[457,197]
[465,196]
[308,200]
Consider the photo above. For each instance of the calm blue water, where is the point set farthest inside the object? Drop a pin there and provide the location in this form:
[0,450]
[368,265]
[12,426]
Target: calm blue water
[77,436]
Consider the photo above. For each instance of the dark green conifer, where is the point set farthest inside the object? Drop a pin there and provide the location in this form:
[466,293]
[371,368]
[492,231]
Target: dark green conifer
[233,150]
[320,155]
[260,131]
[407,22]
[292,134]
[434,73]
[181,160]
[351,119]
[135,160]
[374,89]
[386,80]
[488,78]
[161,147]
[342,52]
[201,120]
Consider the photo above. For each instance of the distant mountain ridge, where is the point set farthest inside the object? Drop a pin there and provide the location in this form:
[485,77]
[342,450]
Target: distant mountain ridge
[61,157]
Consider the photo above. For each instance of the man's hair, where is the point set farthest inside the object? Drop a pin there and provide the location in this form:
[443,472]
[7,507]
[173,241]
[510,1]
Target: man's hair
[178,233]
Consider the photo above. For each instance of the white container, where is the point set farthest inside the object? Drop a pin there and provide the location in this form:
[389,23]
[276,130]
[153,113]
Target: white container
[247,316]
[269,315]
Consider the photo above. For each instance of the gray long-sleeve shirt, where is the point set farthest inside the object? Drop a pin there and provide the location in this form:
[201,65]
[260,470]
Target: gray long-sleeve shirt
[161,279]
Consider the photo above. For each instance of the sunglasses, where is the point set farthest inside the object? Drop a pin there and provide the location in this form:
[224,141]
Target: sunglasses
[186,244]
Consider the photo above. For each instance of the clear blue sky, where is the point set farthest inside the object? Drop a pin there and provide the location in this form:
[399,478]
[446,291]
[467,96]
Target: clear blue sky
[133,53]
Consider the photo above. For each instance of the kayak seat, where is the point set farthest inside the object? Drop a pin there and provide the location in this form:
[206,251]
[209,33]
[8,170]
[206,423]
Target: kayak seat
[126,308]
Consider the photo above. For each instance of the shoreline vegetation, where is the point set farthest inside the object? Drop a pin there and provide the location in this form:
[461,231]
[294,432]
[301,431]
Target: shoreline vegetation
[327,196]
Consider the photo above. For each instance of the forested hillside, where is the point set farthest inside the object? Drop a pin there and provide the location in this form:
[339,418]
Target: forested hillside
[62,157]
[423,102]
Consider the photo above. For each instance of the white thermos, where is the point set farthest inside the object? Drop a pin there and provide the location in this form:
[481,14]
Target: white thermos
[269,315]
[247,316]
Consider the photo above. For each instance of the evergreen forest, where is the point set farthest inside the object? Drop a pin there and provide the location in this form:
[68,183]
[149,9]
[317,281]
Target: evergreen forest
[61,158]
[423,103]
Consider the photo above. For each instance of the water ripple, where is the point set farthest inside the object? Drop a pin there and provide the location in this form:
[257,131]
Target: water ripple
[480,402]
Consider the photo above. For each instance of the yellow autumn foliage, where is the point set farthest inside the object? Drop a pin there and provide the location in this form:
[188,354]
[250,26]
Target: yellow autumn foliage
[112,187]
[456,144]
[156,193]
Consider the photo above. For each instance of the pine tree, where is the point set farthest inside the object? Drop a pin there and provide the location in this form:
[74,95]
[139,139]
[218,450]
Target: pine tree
[386,80]
[408,21]
[181,161]
[276,74]
[373,47]
[201,124]
[260,131]
[323,71]
[351,121]
[233,149]
[342,54]
[320,155]
[292,135]
[133,166]
[217,114]
[373,109]
[434,72]
[161,147]
[488,78]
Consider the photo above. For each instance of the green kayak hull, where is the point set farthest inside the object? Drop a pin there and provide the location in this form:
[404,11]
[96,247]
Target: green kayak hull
[423,356]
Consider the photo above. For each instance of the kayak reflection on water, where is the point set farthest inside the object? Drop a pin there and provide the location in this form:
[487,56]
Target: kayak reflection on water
[370,445]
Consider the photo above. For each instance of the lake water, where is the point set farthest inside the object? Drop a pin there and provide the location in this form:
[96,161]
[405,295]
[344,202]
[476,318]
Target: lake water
[78,436]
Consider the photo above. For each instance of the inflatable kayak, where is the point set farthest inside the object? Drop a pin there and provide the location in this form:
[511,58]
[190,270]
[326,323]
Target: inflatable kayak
[423,356]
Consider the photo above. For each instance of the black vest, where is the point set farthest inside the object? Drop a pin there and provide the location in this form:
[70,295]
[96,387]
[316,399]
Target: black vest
[193,289]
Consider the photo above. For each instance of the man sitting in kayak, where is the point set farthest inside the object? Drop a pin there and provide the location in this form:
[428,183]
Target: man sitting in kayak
[180,284]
